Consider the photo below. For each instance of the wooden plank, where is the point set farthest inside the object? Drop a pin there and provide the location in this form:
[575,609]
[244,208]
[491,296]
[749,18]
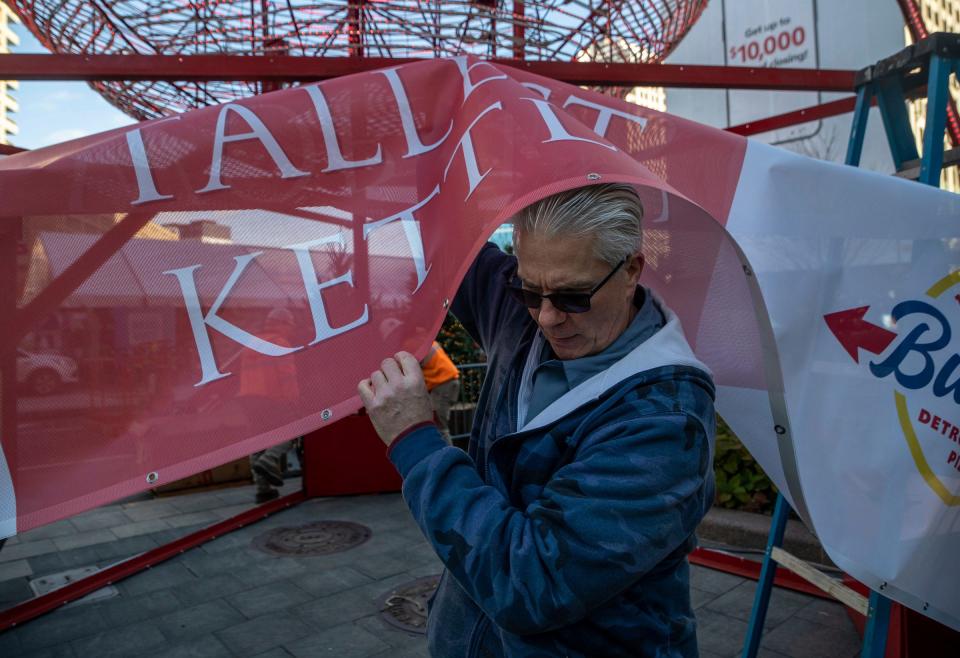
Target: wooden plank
[911,168]
[831,586]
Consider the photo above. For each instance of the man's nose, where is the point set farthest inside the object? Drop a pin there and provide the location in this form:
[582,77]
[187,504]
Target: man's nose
[548,315]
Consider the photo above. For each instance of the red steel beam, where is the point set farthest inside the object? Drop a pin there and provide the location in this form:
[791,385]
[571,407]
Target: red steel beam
[519,29]
[33,608]
[28,610]
[355,27]
[700,77]
[812,113]
[198,68]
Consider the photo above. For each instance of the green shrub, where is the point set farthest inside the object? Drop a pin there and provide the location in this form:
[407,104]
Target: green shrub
[457,343]
[461,348]
[741,483]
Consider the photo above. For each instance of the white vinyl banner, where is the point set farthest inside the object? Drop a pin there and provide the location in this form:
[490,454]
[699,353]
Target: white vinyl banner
[860,275]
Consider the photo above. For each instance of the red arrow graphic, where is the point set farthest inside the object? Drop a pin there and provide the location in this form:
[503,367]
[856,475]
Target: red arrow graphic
[854,332]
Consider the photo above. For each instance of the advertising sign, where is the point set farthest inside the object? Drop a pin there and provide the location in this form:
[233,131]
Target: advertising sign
[771,33]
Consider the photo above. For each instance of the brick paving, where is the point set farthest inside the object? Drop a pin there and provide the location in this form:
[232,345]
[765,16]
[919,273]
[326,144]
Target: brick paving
[226,598]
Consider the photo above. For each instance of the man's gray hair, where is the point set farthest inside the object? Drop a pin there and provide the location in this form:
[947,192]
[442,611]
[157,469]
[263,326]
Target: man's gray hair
[610,212]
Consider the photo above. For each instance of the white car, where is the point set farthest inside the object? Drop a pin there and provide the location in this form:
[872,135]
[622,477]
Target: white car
[45,373]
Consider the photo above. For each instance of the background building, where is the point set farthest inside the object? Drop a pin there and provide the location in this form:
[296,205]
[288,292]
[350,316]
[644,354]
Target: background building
[653,97]
[830,35]
[938,16]
[790,33]
[7,104]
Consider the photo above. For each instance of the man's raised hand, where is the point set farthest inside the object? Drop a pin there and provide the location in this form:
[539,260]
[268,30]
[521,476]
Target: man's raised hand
[396,397]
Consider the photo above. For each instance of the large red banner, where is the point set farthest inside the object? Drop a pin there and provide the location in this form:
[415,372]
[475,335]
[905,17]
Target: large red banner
[199,287]
[193,289]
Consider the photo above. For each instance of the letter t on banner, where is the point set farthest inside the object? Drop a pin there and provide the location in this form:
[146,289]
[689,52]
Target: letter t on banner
[605,113]
[474,177]
[557,132]
[411,229]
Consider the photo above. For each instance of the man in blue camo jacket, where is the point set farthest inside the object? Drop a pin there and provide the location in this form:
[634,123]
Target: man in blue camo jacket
[566,526]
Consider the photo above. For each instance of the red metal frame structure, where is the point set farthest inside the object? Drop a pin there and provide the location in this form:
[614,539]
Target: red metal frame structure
[289,68]
[524,30]
[48,602]
[80,588]
[279,68]
[813,113]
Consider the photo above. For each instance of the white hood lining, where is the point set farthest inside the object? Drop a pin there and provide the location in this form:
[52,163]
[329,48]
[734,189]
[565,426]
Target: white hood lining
[667,347]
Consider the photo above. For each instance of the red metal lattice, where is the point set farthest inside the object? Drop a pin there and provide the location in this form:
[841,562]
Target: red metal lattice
[564,30]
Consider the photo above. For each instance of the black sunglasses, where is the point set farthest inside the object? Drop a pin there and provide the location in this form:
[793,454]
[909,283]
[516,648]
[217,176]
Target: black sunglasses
[566,302]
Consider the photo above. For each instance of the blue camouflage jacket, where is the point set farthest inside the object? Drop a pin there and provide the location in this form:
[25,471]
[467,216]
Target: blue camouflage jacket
[567,536]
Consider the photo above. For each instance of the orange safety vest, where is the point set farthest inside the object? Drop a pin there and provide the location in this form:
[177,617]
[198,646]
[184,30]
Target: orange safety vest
[437,367]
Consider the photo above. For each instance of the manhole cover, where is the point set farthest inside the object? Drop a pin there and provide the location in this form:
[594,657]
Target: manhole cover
[321,538]
[406,606]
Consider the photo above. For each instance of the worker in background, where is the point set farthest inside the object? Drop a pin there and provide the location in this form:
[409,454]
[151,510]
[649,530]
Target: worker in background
[443,384]
[264,383]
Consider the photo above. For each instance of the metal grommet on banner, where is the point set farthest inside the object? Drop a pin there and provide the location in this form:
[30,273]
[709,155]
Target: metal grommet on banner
[592,176]
[883,586]
[747,270]
[926,606]
[326,414]
[446,302]
[780,429]
[152,477]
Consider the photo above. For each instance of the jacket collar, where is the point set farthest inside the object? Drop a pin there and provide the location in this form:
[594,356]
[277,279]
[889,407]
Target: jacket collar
[667,347]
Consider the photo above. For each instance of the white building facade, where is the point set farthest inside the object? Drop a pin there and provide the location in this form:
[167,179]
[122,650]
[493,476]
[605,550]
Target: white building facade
[7,103]
[823,34]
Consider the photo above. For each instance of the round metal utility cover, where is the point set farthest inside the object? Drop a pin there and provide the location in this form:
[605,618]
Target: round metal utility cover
[406,606]
[321,538]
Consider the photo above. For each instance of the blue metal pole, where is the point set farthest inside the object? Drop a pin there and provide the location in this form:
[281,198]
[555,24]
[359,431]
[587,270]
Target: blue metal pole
[938,95]
[896,121]
[761,600]
[861,112]
[878,624]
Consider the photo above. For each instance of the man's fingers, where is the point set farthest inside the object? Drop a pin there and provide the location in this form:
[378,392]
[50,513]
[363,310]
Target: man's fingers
[391,369]
[365,389]
[396,396]
[409,363]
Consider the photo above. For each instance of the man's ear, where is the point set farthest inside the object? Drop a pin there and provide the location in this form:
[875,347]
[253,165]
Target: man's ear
[635,267]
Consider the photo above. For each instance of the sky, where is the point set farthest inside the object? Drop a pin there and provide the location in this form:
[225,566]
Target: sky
[53,112]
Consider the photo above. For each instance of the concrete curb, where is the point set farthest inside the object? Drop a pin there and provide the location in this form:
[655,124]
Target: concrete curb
[750,530]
